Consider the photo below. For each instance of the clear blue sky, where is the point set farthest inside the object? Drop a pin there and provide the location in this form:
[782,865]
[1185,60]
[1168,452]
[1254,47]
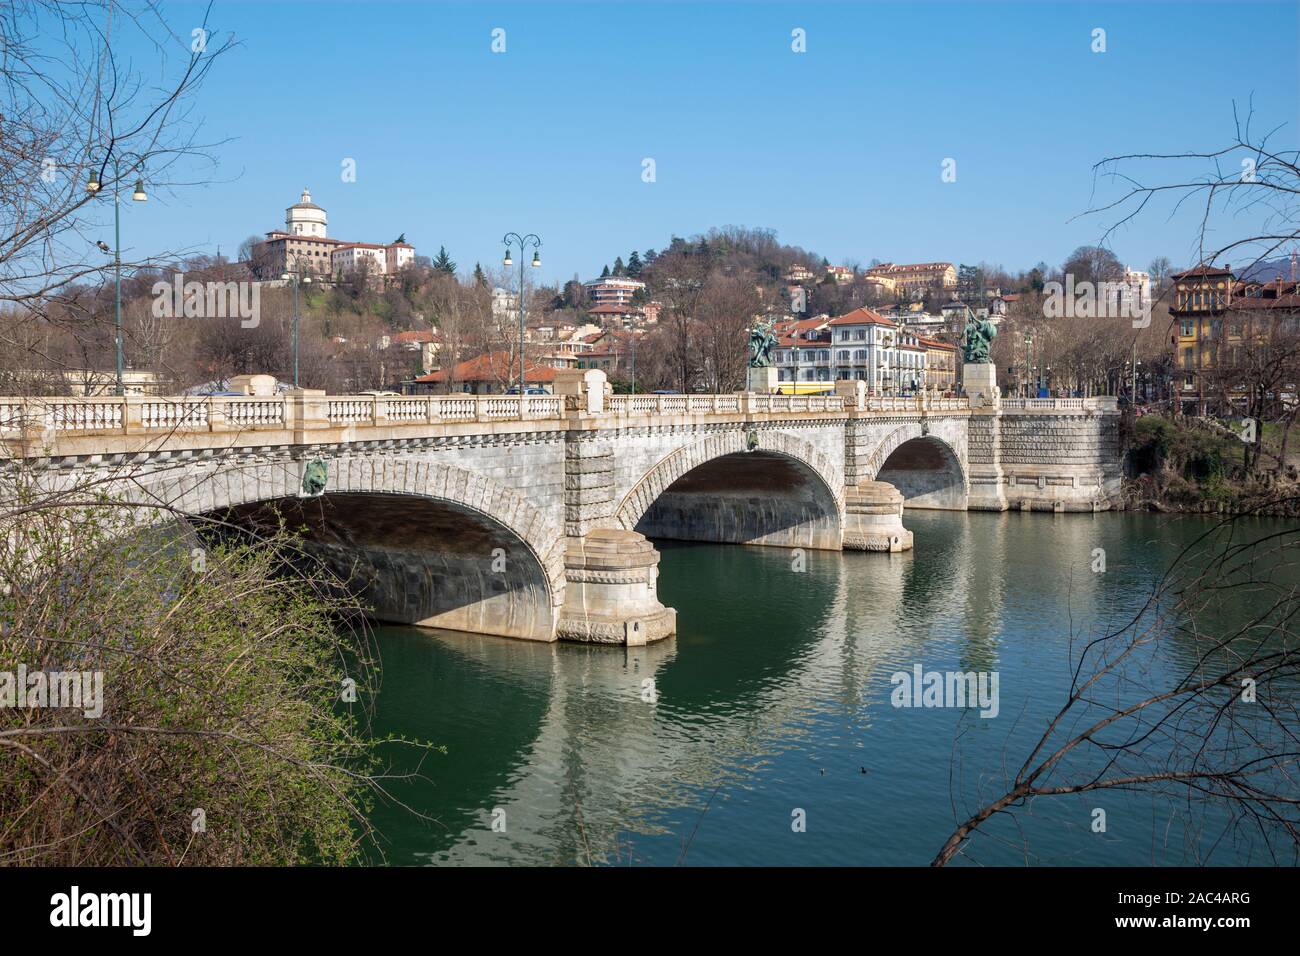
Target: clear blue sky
[838,149]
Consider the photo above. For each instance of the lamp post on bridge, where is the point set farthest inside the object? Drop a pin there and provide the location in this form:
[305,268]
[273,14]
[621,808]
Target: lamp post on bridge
[513,238]
[1029,361]
[298,278]
[93,186]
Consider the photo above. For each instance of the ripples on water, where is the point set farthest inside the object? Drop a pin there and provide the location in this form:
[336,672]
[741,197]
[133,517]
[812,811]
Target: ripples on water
[774,697]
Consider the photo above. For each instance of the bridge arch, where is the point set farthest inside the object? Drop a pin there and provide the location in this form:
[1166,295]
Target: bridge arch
[923,466]
[421,535]
[760,486]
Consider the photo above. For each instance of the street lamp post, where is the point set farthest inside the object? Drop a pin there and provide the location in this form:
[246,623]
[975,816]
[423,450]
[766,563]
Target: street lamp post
[522,242]
[1029,360]
[297,277]
[634,337]
[794,352]
[93,186]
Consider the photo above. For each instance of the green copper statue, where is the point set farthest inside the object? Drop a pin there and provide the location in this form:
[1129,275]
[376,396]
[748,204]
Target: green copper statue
[979,336]
[761,342]
[314,477]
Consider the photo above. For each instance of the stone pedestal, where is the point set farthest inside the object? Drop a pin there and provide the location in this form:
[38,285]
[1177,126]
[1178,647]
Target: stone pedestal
[611,595]
[854,393]
[980,383]
[985,490]
[762,380]
[873,518]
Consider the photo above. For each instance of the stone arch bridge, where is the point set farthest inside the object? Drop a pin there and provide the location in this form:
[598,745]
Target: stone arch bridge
[531,517]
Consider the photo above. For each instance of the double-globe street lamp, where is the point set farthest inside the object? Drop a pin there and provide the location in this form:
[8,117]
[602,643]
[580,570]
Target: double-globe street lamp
[93,186]
[297,278]
[523,242]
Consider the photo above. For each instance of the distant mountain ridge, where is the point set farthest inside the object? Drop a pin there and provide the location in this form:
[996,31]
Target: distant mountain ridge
[1268,270]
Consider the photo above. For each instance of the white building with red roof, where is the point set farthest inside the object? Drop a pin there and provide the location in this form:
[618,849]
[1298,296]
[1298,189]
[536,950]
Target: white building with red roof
[302,245]
[868,347]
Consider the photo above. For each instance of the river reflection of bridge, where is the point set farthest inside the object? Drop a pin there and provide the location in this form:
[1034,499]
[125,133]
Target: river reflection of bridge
[606,762]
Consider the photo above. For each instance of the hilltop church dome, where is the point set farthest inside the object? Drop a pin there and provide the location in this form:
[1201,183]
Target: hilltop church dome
[305,218]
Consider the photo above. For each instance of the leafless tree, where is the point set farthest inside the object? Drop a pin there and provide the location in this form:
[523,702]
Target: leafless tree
[1225,731]
[727,306]
[680,278]
[72,110]
[1257,369]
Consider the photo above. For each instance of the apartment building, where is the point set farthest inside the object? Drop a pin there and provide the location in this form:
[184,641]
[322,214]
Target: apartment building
[940,364]
[861,345]
[613,290]
[1222,322]
[917,276]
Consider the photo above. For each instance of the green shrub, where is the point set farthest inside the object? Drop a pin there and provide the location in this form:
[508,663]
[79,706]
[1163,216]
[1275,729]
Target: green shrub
[221,676]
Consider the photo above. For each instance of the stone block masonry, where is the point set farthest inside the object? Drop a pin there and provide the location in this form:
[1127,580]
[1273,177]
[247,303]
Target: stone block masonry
[533,517]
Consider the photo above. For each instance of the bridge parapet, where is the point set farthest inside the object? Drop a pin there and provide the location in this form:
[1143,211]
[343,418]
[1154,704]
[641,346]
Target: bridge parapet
[37,427]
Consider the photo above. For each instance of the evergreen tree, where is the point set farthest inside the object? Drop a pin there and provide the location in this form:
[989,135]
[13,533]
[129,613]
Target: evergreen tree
[634,265]
[604,272]
[480,279]
[442,262]
[650,256]
[619,268]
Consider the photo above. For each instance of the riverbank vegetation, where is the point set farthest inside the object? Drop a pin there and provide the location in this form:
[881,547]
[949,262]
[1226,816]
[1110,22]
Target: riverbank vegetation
[212,701]
[1197,465]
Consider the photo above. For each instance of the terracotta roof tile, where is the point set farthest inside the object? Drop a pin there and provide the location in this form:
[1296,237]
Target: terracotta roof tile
[493,367]
[863,316]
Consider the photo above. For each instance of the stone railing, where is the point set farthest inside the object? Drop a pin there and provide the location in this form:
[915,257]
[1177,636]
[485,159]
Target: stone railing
[139,413]
[731,403]
[913,403]
[142,414]
[1100,403]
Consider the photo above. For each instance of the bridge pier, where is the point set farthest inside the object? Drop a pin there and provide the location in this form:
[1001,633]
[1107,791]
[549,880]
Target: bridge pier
[611,596]
[873,518]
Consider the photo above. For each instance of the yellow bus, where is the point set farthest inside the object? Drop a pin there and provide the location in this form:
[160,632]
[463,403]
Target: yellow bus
[805,388]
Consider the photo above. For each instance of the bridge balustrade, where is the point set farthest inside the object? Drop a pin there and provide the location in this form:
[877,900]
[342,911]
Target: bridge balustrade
[153,414]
